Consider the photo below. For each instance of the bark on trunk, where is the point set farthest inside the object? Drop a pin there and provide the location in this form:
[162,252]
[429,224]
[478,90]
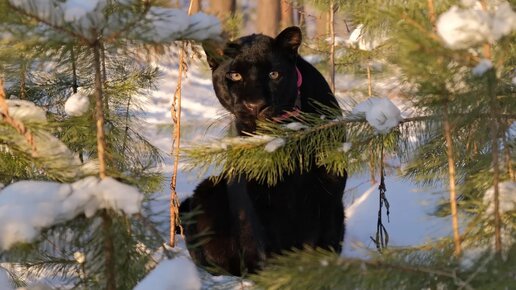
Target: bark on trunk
[222,8]
[109,256]
[287,13]
[268,17]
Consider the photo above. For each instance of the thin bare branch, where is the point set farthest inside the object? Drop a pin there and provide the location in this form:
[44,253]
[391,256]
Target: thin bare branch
[451,179]
[175,112]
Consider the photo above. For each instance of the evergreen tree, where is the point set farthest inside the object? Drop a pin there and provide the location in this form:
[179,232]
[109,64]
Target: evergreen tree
[94,52]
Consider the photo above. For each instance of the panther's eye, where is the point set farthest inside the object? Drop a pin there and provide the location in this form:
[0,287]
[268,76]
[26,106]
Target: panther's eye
[274,75]
[234,76]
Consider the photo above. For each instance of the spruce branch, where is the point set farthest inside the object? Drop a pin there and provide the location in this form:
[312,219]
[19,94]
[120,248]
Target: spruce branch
[318,269]
[320,139]
[59,28]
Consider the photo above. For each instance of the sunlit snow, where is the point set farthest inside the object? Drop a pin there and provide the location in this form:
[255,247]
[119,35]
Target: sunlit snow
[380,113]
[77,104]
[177,273]
[274,144]
[462,28]
[27,207]
[25,111]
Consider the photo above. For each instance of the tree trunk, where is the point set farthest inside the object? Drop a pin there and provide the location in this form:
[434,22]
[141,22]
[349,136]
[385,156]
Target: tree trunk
[322,26]
[331,22]
[287,14]
[301,19]
[196,6]
[268,18]
[222,8]
[109,256]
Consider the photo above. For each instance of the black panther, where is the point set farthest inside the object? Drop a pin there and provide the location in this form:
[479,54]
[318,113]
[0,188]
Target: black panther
[258,77]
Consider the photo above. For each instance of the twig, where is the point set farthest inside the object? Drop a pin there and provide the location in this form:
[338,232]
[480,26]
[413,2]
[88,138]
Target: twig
[175,112]
[332,46]
[369,79]
[431,12]
[451,177]
[382,236]
[74,70]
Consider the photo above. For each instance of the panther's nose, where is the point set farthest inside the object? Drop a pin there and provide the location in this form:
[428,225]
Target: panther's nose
[254,107]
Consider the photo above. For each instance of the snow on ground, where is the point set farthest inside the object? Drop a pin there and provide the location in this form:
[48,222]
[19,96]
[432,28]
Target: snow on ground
[178,273]
[410,220]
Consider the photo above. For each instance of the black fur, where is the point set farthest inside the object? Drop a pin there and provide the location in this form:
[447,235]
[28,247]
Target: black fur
[249,221]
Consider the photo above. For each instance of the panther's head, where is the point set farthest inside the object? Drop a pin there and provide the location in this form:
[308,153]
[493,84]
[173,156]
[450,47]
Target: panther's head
[255,77]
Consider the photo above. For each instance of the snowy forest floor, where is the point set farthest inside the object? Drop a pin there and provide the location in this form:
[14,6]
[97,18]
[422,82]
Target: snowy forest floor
[411,222]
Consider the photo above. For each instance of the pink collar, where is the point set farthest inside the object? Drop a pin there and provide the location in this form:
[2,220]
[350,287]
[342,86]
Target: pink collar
[299,83]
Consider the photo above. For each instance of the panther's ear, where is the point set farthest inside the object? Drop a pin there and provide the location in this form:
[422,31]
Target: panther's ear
[290,39]
[214,50]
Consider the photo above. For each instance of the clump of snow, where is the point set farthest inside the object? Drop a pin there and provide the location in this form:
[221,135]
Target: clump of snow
[345,147]
[204,26]
[178,273]
[87,18]
[296,126]
[77,104]
[27,207]
[274,144]
[356,39]
[506,196]
[5,282]
[482,66]
[26,111]
[380,113]
[462,28]
[236,141]
[165,23]
[79,257]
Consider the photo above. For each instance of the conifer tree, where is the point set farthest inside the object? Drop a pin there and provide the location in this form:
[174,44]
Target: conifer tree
[55,51]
